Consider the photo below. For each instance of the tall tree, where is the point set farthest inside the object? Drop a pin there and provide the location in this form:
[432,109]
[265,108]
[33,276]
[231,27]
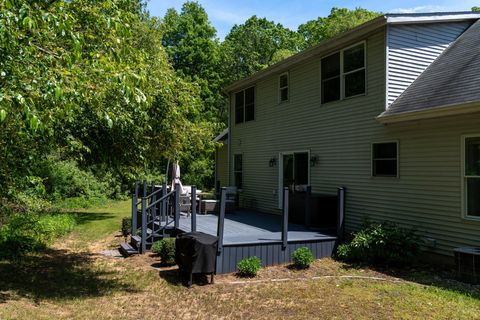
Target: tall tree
[339,20]
[255,45]
[89,80]
[192,47]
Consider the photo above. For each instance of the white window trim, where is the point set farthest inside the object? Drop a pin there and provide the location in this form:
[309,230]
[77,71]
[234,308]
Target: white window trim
[464,213]
[244,103]
[398,159]
[342,74]
[285,87]
[235,171]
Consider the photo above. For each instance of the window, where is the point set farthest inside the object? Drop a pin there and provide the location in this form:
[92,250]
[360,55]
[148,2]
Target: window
[283,87]
[471,176]
[238,170]
[385,159]
[343,74]
[331,78]
[245,105]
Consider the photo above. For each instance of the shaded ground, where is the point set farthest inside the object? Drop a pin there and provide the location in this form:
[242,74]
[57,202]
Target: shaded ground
[73,281]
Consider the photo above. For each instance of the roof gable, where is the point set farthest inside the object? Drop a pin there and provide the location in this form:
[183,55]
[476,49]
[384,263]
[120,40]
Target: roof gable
[452,79]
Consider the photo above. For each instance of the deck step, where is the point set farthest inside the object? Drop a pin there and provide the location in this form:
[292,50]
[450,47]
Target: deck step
[135,242]
[127,250]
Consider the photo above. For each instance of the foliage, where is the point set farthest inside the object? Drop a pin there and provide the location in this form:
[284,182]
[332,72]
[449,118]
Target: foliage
[302,258]
[255,45]
[64,179]
[249,267]
[339,20]
[30,232]
[475,8]
[90,81]
[381,243]
[126,227]
[165,248]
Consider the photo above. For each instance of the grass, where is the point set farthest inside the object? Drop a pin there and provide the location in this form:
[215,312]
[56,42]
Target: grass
[72,281]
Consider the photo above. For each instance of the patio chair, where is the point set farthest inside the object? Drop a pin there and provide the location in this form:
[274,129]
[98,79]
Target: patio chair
[213,205]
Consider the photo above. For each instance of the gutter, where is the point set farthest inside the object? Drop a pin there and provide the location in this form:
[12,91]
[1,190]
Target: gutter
[442,111]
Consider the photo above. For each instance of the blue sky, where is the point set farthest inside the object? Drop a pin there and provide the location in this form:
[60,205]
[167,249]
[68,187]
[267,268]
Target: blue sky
[224,14]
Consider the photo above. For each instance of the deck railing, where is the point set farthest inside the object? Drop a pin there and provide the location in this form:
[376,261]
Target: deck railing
[159,209]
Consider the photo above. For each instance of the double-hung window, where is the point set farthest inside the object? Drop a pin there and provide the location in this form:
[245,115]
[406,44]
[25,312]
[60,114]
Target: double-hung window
[385,159]
[343,74]
[245,105]
[471,176]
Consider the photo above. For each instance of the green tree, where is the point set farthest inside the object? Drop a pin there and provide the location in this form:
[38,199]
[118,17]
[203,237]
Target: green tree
[339,20]
[90,81]
[475,8]
[192,47]
[255,45]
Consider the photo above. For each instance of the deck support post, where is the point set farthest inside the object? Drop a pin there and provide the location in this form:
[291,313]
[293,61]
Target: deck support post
[308,207]
[221,219]
[177,206]
[134,208]
[193,194]
[144,188]
[143,246]
[341,212]
[285,219]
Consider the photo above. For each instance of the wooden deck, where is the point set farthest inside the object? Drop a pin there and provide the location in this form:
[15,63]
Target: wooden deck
[249,233]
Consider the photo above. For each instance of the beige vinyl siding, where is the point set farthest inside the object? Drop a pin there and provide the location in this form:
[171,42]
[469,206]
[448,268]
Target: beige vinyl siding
[427,193]
[221,164]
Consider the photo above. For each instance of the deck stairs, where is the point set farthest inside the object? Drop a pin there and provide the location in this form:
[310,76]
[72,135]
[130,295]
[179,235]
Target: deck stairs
[155,215]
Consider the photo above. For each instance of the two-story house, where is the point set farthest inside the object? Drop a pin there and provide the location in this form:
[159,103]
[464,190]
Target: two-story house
[390,110]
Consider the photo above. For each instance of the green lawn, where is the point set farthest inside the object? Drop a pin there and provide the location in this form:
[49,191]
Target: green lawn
[72,281]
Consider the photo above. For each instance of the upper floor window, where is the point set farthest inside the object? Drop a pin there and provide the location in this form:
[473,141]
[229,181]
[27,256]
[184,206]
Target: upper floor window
[385,159]
[471,176]
[245,105]
[343,74]
[283,87]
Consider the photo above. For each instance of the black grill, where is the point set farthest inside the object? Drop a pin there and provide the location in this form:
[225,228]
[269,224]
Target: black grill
[196,252]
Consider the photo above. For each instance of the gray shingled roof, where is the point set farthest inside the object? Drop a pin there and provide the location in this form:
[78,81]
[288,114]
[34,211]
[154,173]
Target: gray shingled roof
[452,79]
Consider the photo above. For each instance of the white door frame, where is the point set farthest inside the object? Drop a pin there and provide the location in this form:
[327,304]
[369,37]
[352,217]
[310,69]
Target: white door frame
[280,172]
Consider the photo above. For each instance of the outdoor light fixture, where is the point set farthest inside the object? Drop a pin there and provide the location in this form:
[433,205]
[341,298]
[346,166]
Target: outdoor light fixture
[272,162]
[313,160]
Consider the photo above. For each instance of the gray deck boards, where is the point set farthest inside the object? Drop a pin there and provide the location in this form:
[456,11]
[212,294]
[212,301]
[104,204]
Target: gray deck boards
[248,227]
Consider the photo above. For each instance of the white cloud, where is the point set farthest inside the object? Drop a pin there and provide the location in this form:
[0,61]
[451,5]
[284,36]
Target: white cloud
[430,8]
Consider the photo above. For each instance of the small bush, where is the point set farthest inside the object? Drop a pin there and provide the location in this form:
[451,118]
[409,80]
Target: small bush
[249,267]
[381,243]
[165,248]
[302,258]
[126,227]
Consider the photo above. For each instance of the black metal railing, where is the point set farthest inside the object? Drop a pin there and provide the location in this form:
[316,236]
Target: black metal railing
[159,209]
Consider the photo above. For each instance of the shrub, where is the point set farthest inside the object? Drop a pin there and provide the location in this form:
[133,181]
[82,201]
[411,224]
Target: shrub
[126,227]
[165,248]
[30,232]
[64,179]
[381,243]
[249,267]
[302,258]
